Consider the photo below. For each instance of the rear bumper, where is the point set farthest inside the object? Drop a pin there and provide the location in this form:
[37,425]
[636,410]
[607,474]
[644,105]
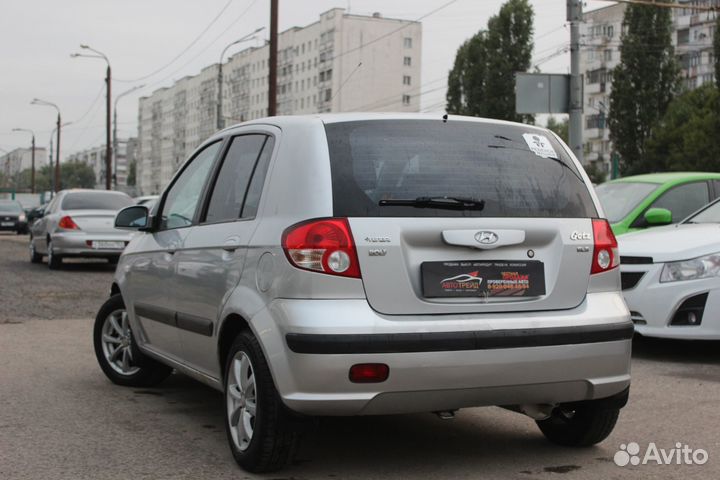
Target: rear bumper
[444,362]
[75,244]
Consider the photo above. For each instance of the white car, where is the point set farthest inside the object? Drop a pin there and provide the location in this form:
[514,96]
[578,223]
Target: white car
[671,277]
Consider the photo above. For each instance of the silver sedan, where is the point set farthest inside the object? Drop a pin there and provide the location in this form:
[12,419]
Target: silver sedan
[79,223]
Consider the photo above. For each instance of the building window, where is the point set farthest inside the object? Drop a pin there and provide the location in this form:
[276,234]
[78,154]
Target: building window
[407,42]
[407,61]
[322,76]
[328,75]
[608,55]
[406,100]
[328,94]
[683,36]
[406,79]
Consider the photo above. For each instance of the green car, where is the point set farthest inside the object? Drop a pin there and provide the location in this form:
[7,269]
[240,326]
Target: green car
[641,201]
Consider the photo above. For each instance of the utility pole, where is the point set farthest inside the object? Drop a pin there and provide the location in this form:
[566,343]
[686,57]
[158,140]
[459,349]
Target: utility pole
[108,126]
[32,170]
[56,184]
[50,155]
[272,80]
[574,16]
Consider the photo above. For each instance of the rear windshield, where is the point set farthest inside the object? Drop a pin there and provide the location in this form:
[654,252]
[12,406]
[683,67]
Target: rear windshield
[95,201]
[10,207]
[406,159]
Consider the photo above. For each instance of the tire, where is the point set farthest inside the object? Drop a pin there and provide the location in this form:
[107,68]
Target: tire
[120,359]
[582,427]
[34,256]
[274,429]
[54,261]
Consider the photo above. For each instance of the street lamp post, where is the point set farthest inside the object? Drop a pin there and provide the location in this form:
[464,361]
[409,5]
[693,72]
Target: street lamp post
[115,139]
[32,171]
[108,113]
[54,185]
[220,120]
[58,127]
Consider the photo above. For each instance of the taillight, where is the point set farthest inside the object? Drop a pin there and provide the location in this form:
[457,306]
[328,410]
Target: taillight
[67,223]
[324,245]
[605,253]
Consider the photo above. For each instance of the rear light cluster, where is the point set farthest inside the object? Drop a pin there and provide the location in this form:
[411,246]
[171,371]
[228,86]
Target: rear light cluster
[324,246]
[67,223]
[605,253]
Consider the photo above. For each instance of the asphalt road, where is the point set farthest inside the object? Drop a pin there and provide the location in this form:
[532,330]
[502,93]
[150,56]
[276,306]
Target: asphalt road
[61,419]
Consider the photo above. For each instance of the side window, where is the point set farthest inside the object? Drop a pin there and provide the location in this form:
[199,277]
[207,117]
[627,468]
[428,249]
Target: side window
[252,199]
[232,181]
[716,184]
[184,195]
[683,200]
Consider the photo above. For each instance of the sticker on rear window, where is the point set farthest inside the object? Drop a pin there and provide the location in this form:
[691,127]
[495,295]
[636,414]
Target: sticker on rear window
[540,145]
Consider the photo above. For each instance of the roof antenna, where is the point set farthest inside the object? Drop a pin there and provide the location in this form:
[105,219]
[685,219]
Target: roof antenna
[445,117]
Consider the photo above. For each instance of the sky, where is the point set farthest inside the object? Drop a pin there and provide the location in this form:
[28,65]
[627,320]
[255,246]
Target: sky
[183,36]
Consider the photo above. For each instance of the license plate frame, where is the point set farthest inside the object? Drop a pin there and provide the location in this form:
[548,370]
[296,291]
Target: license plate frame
[108,244]
[7,224]
[487,278]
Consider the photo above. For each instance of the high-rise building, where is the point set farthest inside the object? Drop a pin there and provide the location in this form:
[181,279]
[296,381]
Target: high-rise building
[693,33]
[19,159]
[341,63]
[95,157]
[600,53]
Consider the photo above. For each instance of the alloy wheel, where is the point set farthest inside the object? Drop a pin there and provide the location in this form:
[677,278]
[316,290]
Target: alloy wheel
[117,343]
[241,398]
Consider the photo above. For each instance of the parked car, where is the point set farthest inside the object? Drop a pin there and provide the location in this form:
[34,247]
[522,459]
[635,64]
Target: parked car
[671,277]
[656,199]
[35,213]
[79,223]
[12,217]
[147,200]
[365,264]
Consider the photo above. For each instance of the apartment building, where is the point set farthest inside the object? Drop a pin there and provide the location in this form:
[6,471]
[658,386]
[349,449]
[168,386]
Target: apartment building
[694,34]
[600,53]
[341,63]
[19,159]
[95,157]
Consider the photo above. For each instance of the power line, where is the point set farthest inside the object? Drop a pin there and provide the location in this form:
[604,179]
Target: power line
[406,25]
[190,45]
[232,24]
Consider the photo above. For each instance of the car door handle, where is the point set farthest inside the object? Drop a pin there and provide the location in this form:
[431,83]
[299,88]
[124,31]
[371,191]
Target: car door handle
[231,244]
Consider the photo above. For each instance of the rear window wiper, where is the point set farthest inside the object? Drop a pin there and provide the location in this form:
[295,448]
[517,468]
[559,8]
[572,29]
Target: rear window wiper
[449,203]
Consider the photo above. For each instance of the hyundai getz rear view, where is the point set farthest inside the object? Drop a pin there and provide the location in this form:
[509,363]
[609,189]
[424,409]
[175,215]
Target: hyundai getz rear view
[366,264]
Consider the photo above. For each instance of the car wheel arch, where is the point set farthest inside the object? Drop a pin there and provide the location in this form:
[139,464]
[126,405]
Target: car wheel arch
[232,325]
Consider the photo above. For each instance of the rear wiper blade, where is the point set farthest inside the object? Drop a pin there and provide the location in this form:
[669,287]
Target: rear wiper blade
[449,203]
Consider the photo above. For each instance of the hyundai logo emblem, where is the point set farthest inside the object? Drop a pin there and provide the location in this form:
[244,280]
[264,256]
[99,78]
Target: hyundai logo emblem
[486,238]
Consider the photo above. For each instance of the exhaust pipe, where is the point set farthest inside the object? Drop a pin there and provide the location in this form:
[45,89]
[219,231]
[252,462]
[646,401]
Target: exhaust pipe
[445,414]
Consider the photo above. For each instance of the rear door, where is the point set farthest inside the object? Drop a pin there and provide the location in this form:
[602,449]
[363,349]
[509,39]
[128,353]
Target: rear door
[151,281]
[529,248]
[213,258]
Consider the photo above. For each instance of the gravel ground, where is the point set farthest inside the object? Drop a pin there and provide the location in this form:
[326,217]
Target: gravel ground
[30,290]
[62,419]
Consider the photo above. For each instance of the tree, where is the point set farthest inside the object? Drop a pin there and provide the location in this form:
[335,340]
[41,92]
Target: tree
[597,175]
[643,84]
[560,128]
[466,81]
[686,137]
[76,175]
[716,53]
[132,174]
[482,81]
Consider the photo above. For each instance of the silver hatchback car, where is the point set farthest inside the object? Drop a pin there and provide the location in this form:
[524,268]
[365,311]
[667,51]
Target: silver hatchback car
[364,264]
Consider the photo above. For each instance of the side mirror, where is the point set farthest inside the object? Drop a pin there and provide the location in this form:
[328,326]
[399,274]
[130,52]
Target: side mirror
[658,216]
[135,217]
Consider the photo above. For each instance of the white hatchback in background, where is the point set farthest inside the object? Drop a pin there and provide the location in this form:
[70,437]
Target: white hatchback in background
[671,277]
